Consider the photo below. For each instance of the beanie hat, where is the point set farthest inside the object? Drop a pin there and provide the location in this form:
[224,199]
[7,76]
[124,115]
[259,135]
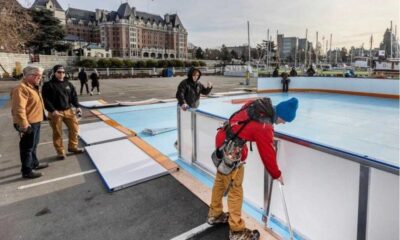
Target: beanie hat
[287,109]
[58,67]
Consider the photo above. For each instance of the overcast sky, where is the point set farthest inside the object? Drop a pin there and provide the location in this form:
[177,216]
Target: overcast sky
[211,23]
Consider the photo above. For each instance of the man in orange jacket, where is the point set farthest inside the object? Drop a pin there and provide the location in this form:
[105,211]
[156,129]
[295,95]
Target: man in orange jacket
[28,113]
[253,122]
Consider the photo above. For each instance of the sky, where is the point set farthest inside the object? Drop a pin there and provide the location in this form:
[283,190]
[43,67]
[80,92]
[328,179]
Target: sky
[211,23]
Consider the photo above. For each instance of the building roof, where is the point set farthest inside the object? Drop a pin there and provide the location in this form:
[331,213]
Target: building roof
[111,16]
[124,10]
[176,22]
[80,14]
[149,17]
[43,3]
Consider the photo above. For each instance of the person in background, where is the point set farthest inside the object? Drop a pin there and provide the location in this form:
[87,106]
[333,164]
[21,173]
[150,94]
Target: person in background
[95,82]
[285,82]
[28,113]
[59,97]
[189,90]
[293,72]
[310,71]
[253,122]
[349,73]
[275,73]
[83,78]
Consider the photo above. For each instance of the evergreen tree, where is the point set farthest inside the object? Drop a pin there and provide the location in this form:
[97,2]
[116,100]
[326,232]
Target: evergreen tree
[199,53]
[343,55]
[49,33]
[388,38]
[234,54]
[225,54]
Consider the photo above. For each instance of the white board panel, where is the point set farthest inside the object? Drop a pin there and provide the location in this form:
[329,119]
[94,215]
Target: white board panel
[186,136]
[98,132]
[321,192]
[370,85]
[383,206]
[253,182]
[206,131]
[122,164]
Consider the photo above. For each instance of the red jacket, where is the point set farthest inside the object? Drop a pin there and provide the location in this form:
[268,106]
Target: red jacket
[260,133]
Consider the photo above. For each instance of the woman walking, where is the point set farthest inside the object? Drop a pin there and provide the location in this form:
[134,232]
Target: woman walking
[95,82]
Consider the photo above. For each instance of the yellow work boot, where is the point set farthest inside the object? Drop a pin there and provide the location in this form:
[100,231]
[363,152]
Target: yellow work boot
[246,234]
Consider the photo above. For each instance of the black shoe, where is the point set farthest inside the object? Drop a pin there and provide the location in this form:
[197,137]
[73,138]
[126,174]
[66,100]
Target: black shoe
[76,150]
[32,175]
[41,166]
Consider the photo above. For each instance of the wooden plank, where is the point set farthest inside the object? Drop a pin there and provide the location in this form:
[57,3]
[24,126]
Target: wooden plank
[118,126]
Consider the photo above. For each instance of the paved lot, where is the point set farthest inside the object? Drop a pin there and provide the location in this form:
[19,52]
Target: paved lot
[80,207]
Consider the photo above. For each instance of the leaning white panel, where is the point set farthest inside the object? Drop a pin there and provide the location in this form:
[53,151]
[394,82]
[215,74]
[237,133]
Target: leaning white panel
[97,104]
[122,164]
[98,132]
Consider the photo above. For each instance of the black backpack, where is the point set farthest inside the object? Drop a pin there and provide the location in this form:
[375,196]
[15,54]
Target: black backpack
[230,152]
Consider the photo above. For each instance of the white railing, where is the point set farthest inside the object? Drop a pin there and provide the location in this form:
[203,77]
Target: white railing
[362,85]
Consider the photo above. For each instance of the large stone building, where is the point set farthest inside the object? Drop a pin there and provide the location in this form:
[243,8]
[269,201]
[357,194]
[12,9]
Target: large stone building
[83,24]
[128,33]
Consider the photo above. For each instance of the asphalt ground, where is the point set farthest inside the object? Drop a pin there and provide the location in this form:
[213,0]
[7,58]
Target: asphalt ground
[80,207]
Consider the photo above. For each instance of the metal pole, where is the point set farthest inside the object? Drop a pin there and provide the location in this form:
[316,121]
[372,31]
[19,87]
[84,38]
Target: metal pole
[326,51]
[396,41]
[277,49]
[286,211]
[391,44]
[305,50]
[316,51]
[295,52]
[268,45]
[336,51]
[370,50]
[330,49]
[248,38]
[248,67]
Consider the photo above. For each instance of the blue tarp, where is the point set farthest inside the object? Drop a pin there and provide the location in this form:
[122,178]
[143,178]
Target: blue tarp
[3,100]
[168,72]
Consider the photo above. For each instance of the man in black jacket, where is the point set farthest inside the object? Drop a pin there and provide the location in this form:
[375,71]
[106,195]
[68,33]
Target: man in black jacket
[83,78]
[310,71]
[189,90]
[293,72]
[275,73]
[59,97]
